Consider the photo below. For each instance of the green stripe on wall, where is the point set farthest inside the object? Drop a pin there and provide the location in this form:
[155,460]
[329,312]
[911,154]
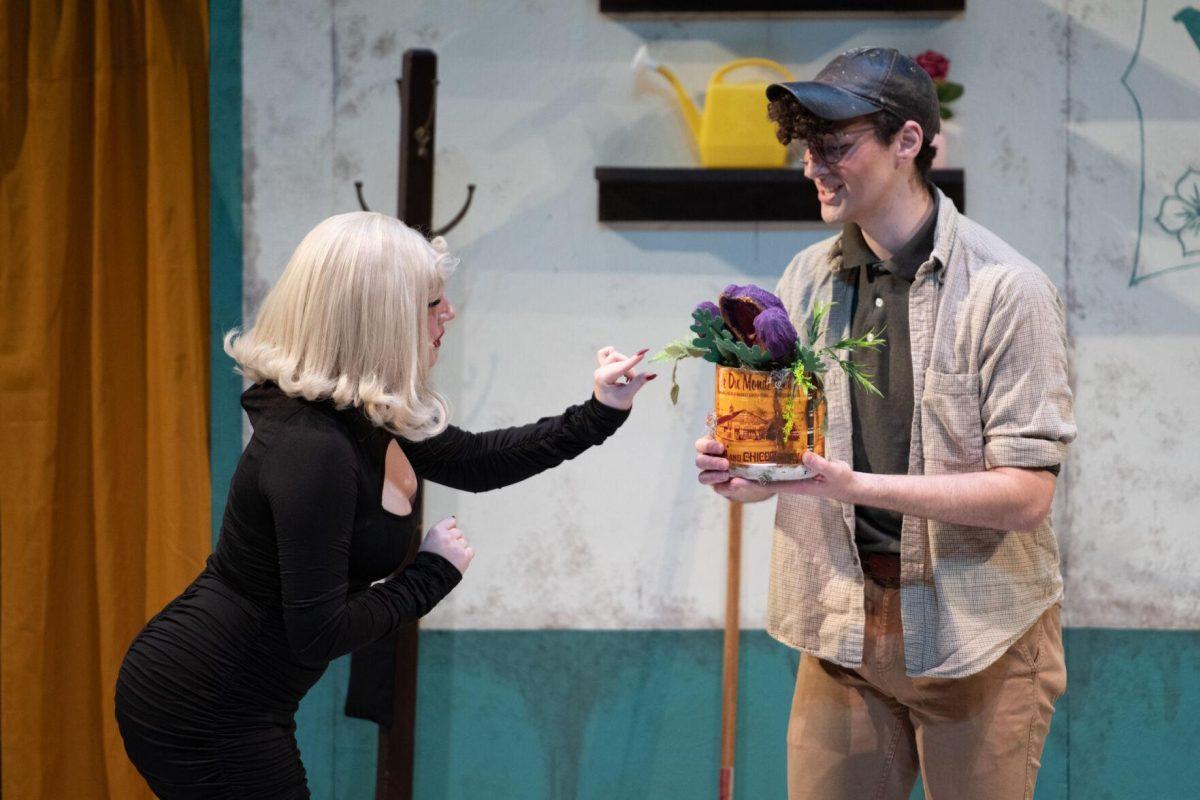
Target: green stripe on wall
[636,714]
[586,714]
[1134,714]
[339,752]
[225,242]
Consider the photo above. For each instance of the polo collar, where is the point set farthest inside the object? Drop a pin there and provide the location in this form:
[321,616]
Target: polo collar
[851,251]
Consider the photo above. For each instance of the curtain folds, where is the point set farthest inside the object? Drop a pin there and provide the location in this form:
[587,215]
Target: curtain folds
[104,496]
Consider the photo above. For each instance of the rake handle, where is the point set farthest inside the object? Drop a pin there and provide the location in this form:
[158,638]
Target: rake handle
[729,670]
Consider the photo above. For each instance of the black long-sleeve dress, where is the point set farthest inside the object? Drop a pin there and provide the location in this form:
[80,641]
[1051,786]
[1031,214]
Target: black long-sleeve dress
[208,691]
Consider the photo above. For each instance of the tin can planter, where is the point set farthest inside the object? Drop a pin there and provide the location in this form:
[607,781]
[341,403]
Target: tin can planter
[751,419]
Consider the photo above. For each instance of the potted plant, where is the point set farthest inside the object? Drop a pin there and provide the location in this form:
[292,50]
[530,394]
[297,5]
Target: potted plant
[770,398]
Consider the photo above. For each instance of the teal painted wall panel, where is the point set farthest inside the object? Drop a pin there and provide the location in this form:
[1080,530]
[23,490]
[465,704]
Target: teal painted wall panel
[225,245]
[339,752]
[636,714]
[582,714]
[588,714]
[1134,714]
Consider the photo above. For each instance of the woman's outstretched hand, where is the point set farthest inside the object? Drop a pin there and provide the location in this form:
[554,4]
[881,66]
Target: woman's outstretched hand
[447,541]
[615,380]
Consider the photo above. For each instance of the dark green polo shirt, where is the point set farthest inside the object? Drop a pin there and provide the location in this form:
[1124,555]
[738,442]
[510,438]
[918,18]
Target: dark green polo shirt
[881,427]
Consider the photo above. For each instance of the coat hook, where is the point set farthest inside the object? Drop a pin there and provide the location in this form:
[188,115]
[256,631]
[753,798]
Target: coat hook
[358,190]
[462,212]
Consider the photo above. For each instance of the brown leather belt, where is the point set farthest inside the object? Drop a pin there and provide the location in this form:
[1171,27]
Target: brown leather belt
[883,568]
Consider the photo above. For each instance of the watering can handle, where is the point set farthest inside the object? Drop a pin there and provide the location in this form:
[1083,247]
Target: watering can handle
[767,63]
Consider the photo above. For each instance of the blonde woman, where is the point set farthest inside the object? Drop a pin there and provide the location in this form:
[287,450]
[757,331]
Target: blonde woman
[345,420]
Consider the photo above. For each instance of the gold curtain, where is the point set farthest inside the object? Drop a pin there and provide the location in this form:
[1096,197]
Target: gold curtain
[104,499]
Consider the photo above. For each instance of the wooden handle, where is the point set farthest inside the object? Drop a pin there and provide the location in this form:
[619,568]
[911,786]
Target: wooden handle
[729,676]
[725,792]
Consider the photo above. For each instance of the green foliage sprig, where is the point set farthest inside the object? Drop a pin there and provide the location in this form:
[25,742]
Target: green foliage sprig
[677,351]
[715,342]
[721,347]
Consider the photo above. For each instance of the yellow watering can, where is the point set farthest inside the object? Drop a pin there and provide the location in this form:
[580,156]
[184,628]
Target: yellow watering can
[733,130]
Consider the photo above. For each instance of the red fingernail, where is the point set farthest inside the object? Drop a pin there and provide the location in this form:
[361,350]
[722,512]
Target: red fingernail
[652,376]
[642,352]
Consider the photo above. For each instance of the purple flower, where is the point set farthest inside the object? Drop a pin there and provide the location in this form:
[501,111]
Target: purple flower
[741,304]
[776,333]
[708,307]
[752,293]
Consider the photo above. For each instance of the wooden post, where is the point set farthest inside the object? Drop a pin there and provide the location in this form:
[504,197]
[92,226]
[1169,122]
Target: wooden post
[729,669]
[418,105]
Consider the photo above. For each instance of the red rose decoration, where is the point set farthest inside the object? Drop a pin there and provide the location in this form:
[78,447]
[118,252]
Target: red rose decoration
[936,64]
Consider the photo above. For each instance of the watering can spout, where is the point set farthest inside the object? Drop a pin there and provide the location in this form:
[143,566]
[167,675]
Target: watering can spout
[732,129]
[691,113]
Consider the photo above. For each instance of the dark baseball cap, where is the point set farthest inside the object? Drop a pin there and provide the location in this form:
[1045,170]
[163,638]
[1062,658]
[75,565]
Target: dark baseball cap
[866,80]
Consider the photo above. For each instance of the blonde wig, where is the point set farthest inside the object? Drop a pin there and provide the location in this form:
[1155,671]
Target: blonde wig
[347,322]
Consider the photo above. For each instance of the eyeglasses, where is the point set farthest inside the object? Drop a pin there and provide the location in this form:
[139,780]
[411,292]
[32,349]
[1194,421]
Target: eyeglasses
[833,149]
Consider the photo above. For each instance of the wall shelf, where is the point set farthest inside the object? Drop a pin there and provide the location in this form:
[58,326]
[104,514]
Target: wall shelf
[790,7]
[652,194]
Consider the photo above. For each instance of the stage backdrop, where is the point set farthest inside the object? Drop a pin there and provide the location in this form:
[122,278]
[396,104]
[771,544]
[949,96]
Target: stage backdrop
[580,658]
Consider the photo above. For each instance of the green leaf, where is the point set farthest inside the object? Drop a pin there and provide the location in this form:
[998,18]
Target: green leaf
[861,377]
[865,383]
[949,91]
[789,421]
[676,351]
[804,378]
[727,351]
[709,331]
[808,360]
[680,348]
[945,113]
[716,343]
[868,341]
[820,310]
[750,357]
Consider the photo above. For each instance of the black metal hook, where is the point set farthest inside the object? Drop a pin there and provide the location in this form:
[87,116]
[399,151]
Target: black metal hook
[442,231]
[462,212]
[416,179]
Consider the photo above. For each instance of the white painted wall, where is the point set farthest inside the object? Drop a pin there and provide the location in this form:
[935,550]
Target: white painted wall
[533,95]
[1133,505]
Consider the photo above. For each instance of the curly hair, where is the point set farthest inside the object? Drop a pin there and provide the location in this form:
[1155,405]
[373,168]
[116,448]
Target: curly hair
[795,123]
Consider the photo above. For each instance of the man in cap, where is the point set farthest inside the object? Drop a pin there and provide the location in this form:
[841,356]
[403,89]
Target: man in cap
[917,570]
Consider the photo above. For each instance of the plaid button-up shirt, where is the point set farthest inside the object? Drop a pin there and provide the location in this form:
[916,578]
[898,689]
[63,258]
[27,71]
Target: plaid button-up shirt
[990,389]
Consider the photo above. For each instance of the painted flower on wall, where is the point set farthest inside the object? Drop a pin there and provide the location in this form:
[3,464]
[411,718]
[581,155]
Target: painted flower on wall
[1179,214]
[938,67]
[936,64]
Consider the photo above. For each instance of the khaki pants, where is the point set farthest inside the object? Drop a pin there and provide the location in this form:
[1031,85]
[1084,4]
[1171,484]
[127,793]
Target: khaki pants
[862,734]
